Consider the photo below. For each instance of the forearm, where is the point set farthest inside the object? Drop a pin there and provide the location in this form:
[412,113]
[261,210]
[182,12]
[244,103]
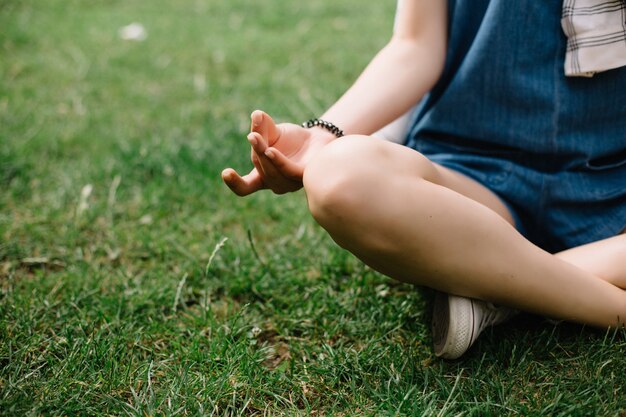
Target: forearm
[394,81]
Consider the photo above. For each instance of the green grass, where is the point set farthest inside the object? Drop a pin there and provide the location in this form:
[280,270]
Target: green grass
[112,304]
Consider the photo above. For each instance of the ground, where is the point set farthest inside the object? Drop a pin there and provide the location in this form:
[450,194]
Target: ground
[131,280]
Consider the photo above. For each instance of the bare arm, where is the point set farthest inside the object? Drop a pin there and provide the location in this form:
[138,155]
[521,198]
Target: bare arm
[400,74]
[394,81]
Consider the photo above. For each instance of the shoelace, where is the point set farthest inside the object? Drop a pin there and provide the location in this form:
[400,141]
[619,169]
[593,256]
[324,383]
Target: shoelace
[491,315]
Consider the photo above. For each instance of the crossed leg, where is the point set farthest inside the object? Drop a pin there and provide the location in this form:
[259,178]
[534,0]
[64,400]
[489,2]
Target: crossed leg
[418,222]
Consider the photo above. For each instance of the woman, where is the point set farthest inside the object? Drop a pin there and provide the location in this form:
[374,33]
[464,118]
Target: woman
[511,188]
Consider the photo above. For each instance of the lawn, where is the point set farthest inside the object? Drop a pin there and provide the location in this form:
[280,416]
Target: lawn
[132,282]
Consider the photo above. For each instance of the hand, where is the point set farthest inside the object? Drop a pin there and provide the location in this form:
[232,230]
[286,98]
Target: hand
[279,154]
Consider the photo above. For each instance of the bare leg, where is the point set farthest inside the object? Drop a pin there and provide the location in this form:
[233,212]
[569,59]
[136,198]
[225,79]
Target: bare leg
[411,220]
[605,259]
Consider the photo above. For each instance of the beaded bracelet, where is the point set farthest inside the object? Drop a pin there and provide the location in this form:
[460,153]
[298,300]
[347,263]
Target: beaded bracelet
[324,124]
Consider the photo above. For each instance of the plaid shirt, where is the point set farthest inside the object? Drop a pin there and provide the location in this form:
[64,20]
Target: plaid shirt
[596,36]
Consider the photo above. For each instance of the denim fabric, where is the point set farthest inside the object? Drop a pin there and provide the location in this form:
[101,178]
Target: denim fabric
[553,148]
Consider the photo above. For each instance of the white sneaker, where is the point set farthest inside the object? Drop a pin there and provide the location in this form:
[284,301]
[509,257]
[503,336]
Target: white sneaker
[457,322]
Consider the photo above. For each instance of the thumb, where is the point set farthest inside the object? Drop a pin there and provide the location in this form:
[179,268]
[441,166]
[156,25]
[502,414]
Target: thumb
[265,126]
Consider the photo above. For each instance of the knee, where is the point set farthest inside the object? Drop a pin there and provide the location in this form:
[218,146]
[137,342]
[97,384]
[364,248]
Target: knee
[332,181]
[346,176]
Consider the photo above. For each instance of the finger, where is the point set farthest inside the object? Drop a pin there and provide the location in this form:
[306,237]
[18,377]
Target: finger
[284,165]
[257,142]
[265,126]
[245,185]
[261,161]
[257,155]
[254,157]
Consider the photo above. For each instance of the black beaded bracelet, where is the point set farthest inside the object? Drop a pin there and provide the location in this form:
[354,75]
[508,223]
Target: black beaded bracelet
[324,124]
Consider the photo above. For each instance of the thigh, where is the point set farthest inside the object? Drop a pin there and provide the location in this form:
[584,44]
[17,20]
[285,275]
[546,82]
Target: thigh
[351,155]
[473,189]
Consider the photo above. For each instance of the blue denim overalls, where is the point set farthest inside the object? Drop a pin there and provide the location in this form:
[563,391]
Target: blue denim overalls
[503,113]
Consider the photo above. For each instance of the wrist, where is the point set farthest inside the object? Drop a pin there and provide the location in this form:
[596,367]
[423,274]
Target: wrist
[322,134]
